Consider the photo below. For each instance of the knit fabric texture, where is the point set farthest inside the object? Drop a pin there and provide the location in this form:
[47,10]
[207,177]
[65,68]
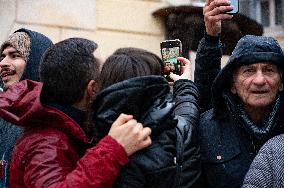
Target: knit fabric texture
[21,42]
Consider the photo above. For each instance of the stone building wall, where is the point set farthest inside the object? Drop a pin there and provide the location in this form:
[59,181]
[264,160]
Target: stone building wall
[111,23]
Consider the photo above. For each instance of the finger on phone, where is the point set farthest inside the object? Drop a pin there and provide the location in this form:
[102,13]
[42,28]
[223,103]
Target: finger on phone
[183,60]
[174,77]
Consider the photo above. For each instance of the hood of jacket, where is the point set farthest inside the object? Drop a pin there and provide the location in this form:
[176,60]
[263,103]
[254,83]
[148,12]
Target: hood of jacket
[21,105]
[39,44]
[147,98]
[249,50]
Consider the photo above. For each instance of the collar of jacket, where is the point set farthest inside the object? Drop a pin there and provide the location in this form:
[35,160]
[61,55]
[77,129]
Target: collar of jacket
[147,98]
[21,105]
[76,114]
[260,131]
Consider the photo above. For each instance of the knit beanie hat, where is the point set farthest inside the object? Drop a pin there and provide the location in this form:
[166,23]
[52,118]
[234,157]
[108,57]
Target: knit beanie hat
[20,41]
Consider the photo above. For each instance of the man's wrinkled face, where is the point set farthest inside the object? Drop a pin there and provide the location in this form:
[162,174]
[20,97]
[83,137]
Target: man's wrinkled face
[257,84]
[12,66]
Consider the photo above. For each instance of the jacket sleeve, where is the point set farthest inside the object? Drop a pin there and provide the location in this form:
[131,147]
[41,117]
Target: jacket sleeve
[207,66]
[187,111]
[260,173]
[99,166]
[186,98]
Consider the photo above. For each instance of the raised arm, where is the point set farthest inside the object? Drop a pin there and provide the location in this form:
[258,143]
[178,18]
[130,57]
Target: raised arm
[209,52]
[186,110]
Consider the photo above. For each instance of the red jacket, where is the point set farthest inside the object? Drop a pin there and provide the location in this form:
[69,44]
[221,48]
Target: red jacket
[53,151]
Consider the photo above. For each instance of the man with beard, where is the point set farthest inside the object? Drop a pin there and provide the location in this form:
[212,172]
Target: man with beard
[19,60]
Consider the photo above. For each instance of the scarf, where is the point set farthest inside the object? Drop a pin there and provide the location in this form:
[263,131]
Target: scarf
[259,131]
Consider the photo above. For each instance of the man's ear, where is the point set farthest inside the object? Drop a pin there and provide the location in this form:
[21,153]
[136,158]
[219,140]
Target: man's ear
[91,88]
[233,89]
[281,87]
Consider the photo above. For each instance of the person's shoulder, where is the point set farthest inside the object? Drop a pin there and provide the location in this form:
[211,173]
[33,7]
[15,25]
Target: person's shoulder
[207,124]
[211,125]
[207,118]
[273,151]
[275,143]
[35,137]
[9,131]
[43,142]
[207,115]
[7,126]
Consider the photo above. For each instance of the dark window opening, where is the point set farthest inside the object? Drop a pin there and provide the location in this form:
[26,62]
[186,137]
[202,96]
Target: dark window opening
[244,7]
[278,12]
[265,16]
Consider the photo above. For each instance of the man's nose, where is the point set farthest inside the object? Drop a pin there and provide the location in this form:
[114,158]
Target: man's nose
[4,62]
[259,78]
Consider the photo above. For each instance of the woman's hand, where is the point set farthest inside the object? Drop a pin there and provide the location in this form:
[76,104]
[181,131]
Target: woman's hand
[185,70]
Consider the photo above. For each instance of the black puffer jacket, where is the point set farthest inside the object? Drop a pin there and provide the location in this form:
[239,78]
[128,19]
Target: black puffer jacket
[173,158]
[229,140]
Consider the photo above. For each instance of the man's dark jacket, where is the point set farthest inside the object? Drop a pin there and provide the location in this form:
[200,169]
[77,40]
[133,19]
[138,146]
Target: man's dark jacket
[229,140]
[172,160]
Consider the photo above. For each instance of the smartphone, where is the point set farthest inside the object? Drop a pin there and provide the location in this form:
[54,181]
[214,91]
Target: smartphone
[235,4]
[170,50]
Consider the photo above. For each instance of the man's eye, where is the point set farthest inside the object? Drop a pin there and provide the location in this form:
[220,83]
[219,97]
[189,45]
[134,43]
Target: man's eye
[16,56]
[269,69]
[248,70]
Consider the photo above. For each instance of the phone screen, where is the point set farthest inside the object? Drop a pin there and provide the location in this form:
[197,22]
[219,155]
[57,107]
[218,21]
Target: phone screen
[235,4]
[170,50]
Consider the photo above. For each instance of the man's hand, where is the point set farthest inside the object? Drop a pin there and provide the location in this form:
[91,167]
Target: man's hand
[130,134]
[185,70]
[214,12]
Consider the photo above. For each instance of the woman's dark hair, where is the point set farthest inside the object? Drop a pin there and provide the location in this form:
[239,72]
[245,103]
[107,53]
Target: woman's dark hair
[127,63]
[66,69]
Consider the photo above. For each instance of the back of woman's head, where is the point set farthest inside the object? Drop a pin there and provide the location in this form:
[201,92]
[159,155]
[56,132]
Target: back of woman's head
[126,63]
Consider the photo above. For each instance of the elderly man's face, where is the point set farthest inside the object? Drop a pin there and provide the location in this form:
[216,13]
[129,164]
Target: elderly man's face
[257,84]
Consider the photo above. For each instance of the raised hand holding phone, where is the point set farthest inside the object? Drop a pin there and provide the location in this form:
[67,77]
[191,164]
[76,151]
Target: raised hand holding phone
[185,70]
[235,5]
[214,12]
[170,51]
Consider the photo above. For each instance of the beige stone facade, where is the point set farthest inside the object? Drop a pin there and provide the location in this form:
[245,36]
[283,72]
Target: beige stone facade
[112,23]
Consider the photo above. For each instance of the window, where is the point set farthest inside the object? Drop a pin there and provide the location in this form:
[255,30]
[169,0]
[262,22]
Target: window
[243,8]
[269,12]
[278,12]
[264,13]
